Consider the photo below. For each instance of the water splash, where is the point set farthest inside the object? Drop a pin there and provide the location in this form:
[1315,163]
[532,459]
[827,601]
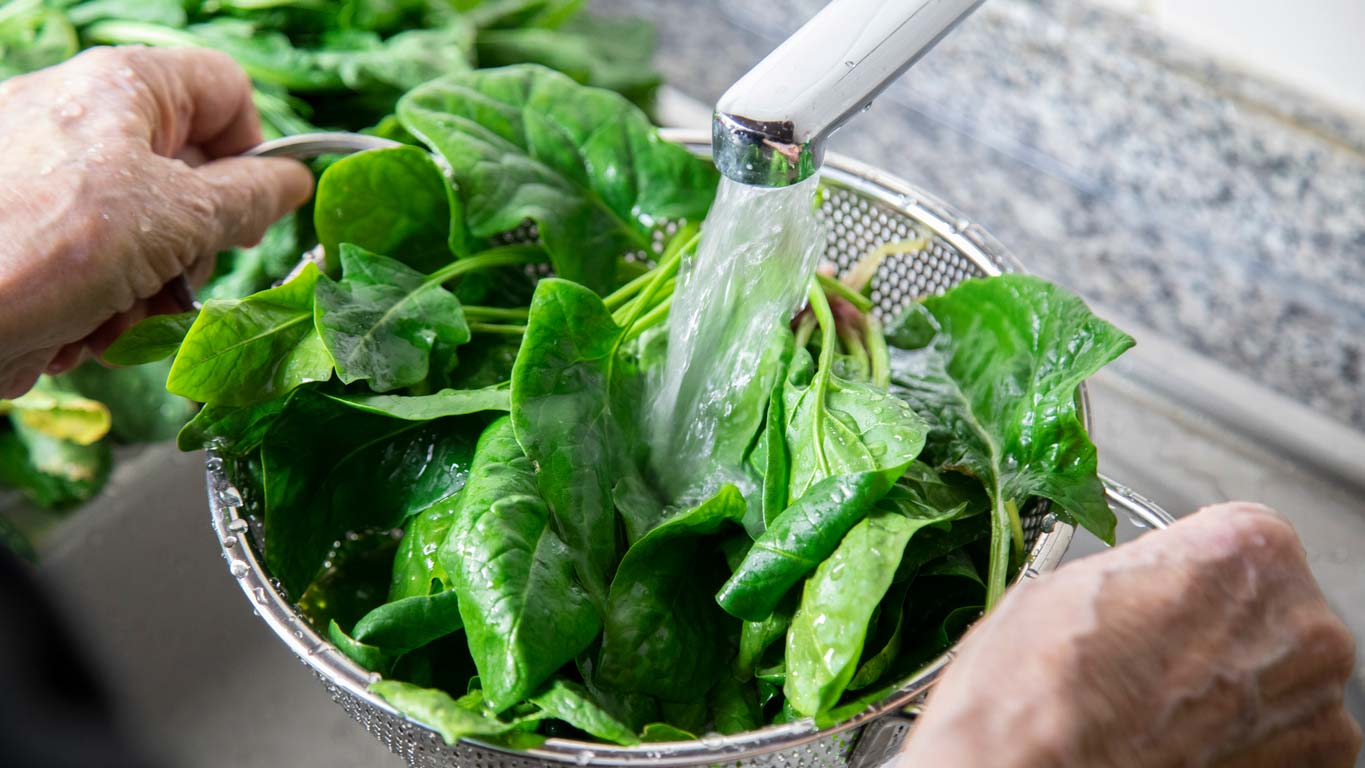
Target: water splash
[758,250]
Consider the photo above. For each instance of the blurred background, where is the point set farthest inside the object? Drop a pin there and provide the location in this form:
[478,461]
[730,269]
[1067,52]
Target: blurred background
[1194,168]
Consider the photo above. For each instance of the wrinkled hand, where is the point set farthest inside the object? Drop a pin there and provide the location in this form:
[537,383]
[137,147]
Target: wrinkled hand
[100,207]
[1205,644]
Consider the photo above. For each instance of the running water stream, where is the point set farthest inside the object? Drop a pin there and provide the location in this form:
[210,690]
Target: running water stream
[758,251]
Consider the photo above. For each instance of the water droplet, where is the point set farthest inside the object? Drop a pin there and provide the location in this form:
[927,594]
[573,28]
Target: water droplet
[230,542]
[70,110]
[585,757]
[239,569]
[228,496]
[237,526]
[259,594]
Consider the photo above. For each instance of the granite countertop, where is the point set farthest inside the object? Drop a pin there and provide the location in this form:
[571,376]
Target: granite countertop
[1212,207]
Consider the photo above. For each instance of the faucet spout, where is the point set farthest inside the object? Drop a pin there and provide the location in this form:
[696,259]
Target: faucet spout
[770,128]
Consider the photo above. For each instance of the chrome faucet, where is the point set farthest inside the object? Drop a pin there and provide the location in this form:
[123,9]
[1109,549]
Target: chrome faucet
[769,129]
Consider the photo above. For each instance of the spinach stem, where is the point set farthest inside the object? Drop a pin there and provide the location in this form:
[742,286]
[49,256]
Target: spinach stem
[681,242]
[999,560]
[505,330]
[495,313]
[1007,531]
[650,319]
[836,288]
[662,276]
[503,256]
[819,305]
[804,330]
[854,346]
[878,352]
[1016,531]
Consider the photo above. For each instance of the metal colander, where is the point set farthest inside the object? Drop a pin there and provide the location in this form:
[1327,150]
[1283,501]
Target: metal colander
[863,208]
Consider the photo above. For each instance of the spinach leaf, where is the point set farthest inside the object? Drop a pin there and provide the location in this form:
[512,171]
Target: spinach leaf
[329,469]
[568,701]
[568,416]
[756,636]
[383,321]
[827,633]
[836,426]
[392,201]
[438,711]
[524,612]
[409,623]
[872,668]
[524,142]
[661,732]
[798,540]
[417,571]
[155,338]
[735,705]
[368,656]
[236,430]
[662,634]
[994,365]
[447,402]
[247,351]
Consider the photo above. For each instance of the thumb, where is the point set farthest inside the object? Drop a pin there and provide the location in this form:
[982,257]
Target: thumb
[251,193]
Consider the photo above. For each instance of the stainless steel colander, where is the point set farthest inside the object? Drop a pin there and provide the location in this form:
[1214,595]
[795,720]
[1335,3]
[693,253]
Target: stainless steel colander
[863,208]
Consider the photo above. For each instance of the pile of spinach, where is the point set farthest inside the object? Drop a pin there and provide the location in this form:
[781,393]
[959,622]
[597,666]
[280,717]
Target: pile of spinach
[315,65]
[446,452]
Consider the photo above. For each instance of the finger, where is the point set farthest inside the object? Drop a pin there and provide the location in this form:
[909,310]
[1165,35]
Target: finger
[65,359]
[195,96]
[251,193]
[19,375]
[199,273]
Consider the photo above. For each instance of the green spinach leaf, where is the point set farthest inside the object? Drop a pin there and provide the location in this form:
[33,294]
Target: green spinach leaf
[391,201]
[383,322]
[568,701]
[437,710]
[569,419]
[524,612]
[329,469]
[662,634]
[524,142]
[798,540]
[827,633]
[247,351]
[155,338]
[994,365]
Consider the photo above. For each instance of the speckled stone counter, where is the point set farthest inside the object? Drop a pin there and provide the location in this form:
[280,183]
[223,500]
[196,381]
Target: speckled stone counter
[1220,210]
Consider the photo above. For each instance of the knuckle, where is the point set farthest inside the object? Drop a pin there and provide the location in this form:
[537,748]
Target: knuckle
[1255,529]
[103,56]
[1327,638]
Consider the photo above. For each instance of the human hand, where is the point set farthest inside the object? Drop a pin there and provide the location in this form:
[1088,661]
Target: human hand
[1207,644]
[101,205]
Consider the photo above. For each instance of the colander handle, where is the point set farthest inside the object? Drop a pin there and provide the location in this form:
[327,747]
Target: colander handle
[1142,511]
